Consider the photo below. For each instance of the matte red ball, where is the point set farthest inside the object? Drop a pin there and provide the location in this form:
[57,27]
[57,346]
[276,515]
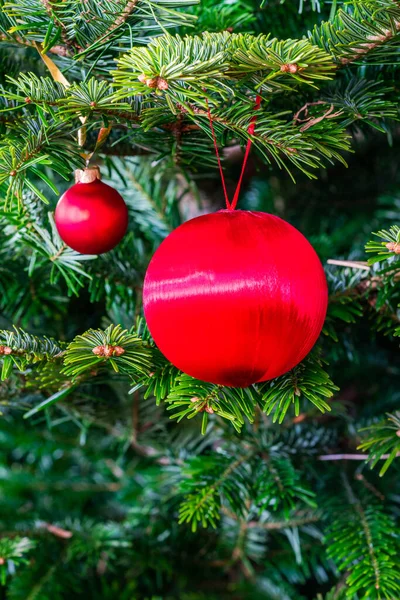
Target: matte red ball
[235,297]
[91,218]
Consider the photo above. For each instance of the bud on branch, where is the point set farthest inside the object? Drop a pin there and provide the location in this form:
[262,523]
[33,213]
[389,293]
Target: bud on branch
[107,351]
[5,350]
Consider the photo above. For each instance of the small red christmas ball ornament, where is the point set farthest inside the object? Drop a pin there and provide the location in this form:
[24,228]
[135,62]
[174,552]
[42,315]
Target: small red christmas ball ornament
[91,216]
[235,297]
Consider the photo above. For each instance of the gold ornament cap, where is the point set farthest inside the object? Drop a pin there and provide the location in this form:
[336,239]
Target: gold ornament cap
[87,175]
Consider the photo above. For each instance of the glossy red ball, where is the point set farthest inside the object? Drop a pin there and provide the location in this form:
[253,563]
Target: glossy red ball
[235,297]
[91,218]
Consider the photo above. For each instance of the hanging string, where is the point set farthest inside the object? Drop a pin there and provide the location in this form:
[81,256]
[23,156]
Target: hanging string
[250,130]
[232,205]
[221,172]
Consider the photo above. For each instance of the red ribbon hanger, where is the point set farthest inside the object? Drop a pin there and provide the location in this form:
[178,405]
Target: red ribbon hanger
[232,205]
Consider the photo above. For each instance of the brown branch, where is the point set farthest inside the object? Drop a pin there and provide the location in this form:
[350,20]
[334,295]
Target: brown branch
[129,8]
[178,137]
[304,110]
[58,253]
[135,416]
[284,524]
[367,287]
[58,49]
[353,264]
[232,467]
[373,41]
[51,12]
[296,521]
[120,20]
[120,114]
[367,531]
[368,485]
[351,456]
[309,121]
[70,44]
[58,531]
[238,553]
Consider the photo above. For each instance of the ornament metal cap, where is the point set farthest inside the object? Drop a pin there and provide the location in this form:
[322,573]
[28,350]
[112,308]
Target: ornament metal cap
[87,175]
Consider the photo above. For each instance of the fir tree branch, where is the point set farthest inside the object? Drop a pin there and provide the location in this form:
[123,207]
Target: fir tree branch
[121,18]
[37,588]
[373,42]
[202,505]
[353,35]
[383,441]
[58,49]
[13,549]
[51,9]
[360,539]
[295,521]
[367,531]
[279,525]
[279,486]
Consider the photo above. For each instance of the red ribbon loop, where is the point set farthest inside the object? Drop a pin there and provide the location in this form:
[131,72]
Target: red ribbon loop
[232,205]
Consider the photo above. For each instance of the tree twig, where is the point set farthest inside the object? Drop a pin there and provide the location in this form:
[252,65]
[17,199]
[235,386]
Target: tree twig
[121,18]
[353,264]
[50,8]
[372,42]
[352,456]
[59,49]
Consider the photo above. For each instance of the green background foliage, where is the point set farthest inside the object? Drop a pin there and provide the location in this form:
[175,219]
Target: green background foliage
[122,477]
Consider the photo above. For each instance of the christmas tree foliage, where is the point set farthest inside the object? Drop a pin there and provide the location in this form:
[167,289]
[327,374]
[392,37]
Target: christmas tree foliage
[122,477]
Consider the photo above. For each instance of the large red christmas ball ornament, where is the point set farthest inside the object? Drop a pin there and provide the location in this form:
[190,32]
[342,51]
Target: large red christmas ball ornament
[91,216]
[235,297]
